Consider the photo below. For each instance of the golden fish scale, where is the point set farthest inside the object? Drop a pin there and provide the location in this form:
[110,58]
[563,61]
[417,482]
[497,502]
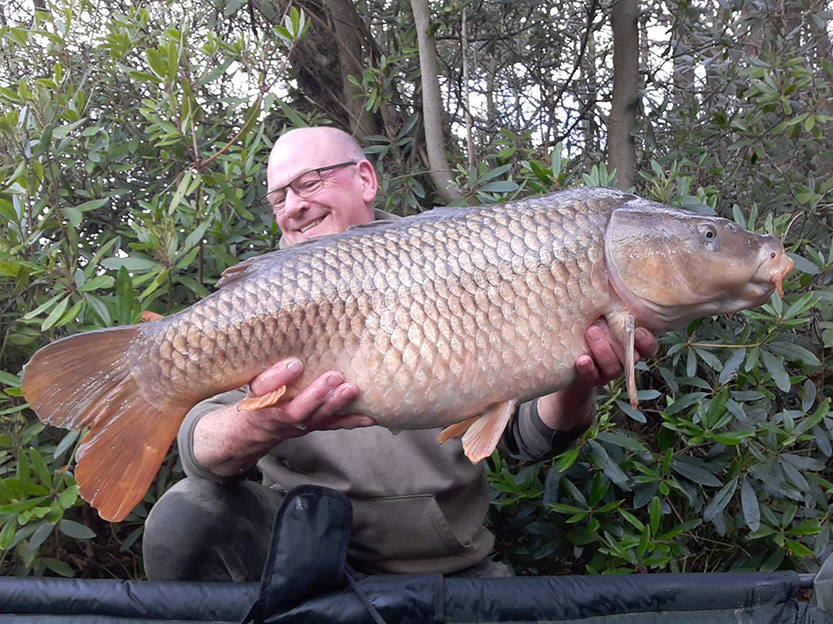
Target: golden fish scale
[425,317]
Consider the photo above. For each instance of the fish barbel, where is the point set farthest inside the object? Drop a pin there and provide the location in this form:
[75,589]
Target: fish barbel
[445,319]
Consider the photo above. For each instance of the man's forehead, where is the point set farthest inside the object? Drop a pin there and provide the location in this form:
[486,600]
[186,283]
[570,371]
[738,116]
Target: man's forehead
[290,158]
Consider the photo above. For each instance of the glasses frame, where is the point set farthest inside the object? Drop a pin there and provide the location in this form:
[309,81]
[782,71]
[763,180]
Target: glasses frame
[304,194]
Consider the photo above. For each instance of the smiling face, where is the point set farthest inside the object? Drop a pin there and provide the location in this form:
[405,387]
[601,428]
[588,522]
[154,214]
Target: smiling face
[346,195]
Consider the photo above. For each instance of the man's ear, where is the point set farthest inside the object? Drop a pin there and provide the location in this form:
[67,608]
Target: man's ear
[370,183]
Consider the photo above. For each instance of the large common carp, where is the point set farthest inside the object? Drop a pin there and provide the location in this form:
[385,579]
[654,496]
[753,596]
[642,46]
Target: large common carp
[448,318]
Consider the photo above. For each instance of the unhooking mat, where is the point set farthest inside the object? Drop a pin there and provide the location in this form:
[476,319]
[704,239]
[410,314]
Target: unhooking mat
[306,580]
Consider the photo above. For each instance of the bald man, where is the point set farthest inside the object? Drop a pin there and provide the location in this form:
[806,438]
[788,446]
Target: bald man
[418,507]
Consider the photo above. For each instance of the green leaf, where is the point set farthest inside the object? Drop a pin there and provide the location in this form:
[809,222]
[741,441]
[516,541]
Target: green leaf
[132,264]
[684,402]
[157,63]
[776,369]
[797,548]
[801,263]
[55,315]
[182,190]
[43,530]
[494,173]
[40,467]
[622,439]
[29,503]
[43,307]
[233,6]
[59,567]
[633,520]
[732,438]
[69,496]
[582,536]
[7,379]
[99,281]
[717,407]
[501,186]
[197,235]
[731,366]
[655,514]
[566,459]
[294,118]
[794,353]
[694,473]
[75,530]
[125,297]
[65,444]
[563,508]
[631,413]
[750,506]
[72,215]
[720,500]
[7,533]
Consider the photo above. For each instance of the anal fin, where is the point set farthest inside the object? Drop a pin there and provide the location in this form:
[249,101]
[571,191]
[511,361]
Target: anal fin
[482,433]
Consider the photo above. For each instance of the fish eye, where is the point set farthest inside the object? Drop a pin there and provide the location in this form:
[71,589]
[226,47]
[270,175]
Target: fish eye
[708,230]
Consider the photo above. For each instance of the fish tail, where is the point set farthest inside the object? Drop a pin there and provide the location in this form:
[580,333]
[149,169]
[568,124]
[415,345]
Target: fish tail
[92,379]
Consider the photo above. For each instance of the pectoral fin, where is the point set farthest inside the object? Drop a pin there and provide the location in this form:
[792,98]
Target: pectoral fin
[623,325]
[630,371]
[259,402]
[457,429]
[482,433]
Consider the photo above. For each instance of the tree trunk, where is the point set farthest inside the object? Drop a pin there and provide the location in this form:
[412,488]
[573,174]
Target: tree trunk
[347,26]
[432,107]
[590,130]
[464,48]
[621,151]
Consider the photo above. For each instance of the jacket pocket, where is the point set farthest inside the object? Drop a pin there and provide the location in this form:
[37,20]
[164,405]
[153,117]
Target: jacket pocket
[411,535]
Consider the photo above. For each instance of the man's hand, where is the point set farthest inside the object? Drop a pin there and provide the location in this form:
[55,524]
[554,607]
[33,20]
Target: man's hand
[574,405]
[606,361]
[314,408]
[228,441]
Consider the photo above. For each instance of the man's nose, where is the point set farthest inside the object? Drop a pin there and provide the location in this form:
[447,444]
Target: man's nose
[294,204]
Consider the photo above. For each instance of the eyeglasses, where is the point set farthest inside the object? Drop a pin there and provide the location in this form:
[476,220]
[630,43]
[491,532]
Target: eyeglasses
[305,185]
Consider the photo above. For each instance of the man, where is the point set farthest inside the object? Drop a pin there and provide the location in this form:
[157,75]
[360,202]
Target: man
[418,507]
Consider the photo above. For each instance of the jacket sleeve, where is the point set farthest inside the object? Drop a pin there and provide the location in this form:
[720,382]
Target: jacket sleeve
[528,438]
[185,438]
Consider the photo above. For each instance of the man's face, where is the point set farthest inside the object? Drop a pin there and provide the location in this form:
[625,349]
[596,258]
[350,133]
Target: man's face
[341,201]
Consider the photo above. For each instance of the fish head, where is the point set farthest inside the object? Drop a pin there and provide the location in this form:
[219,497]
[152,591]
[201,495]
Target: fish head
[671,266]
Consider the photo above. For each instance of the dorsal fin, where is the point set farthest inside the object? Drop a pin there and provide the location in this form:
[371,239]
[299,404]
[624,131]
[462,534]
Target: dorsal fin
[245,268]
[249,266]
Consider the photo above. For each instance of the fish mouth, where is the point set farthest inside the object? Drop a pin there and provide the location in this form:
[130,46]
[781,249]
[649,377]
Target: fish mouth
[772,272]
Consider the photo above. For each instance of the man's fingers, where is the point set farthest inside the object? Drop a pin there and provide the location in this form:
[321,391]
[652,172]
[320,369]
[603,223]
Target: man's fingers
[588,374]
[279,374]
[324,397]
[605,350]
[349,421]
[646,343]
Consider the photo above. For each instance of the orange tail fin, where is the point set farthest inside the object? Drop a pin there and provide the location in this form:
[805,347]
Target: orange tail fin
[90,379]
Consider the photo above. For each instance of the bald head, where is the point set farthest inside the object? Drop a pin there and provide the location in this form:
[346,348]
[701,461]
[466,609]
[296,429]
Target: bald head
[332,141]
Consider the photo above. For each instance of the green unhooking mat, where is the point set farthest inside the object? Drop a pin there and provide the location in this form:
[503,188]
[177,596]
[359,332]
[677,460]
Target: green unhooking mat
[306,580]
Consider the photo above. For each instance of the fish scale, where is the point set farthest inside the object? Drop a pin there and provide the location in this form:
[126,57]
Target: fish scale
[446,319]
